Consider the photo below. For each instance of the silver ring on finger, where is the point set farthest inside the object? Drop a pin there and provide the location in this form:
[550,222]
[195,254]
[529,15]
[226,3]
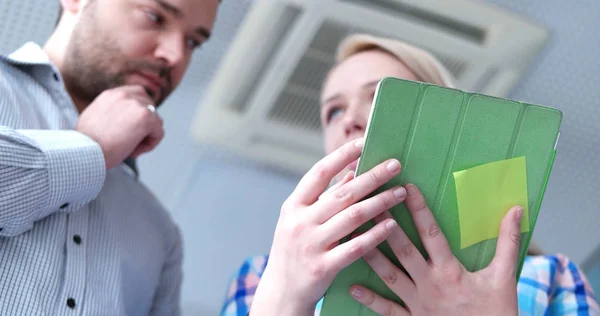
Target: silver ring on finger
[151,108]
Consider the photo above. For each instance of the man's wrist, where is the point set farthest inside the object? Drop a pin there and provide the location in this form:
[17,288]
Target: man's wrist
[75,164]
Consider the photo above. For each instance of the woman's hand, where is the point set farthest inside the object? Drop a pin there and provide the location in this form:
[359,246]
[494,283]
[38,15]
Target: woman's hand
[441,285]
[306,254]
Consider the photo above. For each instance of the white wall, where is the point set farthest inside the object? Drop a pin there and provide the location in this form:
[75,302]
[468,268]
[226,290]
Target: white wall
[226,221]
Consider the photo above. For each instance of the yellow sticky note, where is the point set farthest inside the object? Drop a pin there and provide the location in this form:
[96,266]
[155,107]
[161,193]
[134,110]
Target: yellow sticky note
[485,194]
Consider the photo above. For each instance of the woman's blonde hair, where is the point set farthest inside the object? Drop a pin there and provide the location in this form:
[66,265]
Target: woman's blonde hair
[423,64]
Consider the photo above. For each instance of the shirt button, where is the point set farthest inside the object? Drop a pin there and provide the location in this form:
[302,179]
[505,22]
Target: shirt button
[77,239]
[64,206]
[71,302]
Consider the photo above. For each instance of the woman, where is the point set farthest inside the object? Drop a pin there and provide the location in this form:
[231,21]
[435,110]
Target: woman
[548,284]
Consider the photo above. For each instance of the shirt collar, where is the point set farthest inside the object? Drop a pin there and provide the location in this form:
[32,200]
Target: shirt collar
[30,53]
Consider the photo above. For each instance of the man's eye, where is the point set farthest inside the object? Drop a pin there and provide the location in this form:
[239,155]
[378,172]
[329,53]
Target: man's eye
[193,44]
[155,18]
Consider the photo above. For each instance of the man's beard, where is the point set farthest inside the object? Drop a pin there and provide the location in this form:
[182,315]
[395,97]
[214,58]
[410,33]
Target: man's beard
[93,63]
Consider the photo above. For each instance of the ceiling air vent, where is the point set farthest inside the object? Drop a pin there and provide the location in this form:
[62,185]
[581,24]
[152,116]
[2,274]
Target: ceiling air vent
[263,102]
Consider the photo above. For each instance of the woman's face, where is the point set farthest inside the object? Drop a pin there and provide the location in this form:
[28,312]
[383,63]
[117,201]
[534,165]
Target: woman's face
[348,92]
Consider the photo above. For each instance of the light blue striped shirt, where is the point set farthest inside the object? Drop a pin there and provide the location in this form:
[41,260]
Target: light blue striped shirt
[75,239]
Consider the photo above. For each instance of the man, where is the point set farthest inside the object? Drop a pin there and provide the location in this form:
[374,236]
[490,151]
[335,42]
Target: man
[79,235]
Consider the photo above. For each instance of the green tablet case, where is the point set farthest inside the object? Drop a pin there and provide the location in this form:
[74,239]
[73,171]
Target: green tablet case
[434,132]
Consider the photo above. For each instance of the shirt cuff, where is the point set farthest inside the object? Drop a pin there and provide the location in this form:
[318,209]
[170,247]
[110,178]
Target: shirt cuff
[75,163]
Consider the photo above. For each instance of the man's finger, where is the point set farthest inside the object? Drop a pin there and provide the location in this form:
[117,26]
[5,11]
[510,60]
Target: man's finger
[433,239]
[153,137]
[145,146]
[319,176]
[376,303]
[134,91]
[140,150]
[139,94]
[507,248]
[157,130]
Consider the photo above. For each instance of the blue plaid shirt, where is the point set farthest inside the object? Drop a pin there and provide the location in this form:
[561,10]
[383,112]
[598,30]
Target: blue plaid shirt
[549,285]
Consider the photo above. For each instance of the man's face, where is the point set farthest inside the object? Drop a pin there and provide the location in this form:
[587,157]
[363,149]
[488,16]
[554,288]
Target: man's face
[143,42]
[348,93]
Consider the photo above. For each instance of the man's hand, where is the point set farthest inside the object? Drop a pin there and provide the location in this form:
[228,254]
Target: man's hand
[306,254]
[121,123]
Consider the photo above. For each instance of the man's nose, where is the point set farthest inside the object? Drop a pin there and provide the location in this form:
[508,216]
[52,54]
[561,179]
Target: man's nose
[171,49]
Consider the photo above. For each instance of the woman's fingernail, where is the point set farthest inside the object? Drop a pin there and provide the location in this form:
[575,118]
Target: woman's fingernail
[391,225]
[393,166]
[519,214]
[359,142]
[400,193]
[411,189]
[357,293]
